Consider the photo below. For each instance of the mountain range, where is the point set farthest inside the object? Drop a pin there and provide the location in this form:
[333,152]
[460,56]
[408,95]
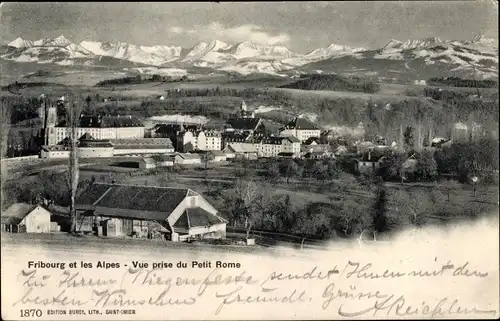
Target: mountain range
[412,58]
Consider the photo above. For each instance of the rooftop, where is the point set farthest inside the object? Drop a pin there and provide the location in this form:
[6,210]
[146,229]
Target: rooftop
[160,200]
[16,213]
[244,123]
[106,122]
[300,124]
[242,147]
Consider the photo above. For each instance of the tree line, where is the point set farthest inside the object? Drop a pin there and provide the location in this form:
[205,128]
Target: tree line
[335,82]
[460,82]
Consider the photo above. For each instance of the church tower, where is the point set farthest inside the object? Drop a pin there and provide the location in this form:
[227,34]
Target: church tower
[244,113]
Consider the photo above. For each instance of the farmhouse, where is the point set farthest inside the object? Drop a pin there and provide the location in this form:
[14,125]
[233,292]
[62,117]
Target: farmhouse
[301,128]
[127,210]
[26,218]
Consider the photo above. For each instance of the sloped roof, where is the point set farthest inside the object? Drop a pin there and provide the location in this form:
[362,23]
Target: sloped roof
[217,153]
[301,124]
[196,217]
[95,143]
[310,140]
[106,122]
[142,143]
[243,123]
[242,148]
[16,213]
[316,148]
[158,201]
[189,155]
[86,136]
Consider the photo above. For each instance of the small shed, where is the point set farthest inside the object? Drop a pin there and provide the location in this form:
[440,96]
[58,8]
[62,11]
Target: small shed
[26,218]
[218,156]
[187,158]
[153,162]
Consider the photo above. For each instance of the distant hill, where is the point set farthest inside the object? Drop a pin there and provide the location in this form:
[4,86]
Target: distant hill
[334,82]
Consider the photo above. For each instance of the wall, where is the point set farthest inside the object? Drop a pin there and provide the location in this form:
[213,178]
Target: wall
[94,152]
[143,151]
[23,159]
[55,154]
[129,132]
[38,221]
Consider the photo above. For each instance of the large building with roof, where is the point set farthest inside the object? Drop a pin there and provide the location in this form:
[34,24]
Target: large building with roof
[100,127]
[89,147]
[273,146]
[301,128]
[177,214]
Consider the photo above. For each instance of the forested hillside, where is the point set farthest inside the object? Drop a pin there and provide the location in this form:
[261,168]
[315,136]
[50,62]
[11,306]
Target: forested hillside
[336,83]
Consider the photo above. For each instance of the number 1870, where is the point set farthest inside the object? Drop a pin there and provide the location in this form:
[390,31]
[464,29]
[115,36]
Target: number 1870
[26,313]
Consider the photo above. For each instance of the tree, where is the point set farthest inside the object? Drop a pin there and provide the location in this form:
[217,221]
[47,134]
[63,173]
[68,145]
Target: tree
[354,218]
[73,112]
[240,201]
[288,168]
[206,158]
[272,172]
[409,140]
[380,222]
[392,166]
[426,166]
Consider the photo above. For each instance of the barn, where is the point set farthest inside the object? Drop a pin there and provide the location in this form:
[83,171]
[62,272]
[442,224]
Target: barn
[176,214]
[26,218]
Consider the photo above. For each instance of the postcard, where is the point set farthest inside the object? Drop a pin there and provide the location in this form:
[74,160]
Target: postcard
[249,161]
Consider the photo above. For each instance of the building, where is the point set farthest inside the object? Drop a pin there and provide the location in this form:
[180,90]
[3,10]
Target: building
[203,140]
[150,162]
[243,111]
[241,151]
[187,158]
[142,146]
[173,213]
[245,125]
[369,163]
[26,218]
[301,128]
[271,146]
[100,127]
[317,151]
[55,151]
[341,150]
[88,147]
[218,156]
[235,137]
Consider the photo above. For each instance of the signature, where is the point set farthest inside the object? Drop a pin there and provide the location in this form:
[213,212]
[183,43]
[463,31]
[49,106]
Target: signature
[399,307]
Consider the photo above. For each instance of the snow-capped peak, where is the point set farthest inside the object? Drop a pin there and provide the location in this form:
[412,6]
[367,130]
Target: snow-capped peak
[217,45]
[20,43]
[412,44]
[61,41]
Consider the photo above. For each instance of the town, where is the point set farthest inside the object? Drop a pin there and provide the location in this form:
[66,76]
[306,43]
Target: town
[243,144]
[114,208]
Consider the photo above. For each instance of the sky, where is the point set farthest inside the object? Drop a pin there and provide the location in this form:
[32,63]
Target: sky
[301,26]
